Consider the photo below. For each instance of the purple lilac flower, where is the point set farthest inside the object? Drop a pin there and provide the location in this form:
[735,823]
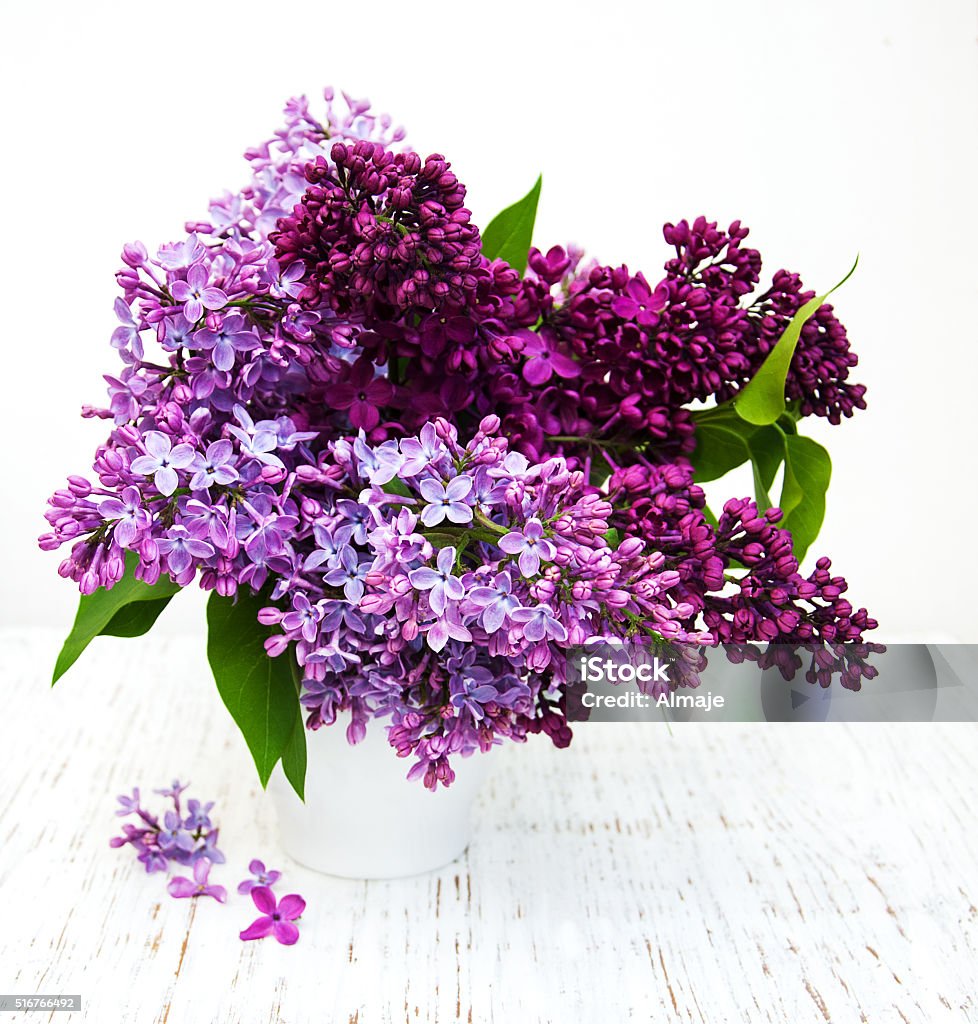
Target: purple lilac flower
[304,617]
[421,452]
[266,534]
[497,602]
[162,461]
[546,358]
[261,877]
[181,255]
[379,465]
[180,887]
[196,294]
[129,804]
[174,836]
[278,916]
[472,690]
[446,502]
[181,548]
[531,545]
[362,394]
[198,815]
[213,467]
[126,336]
[207,848]
[447,626]
[233,336]
[440,584]
[128,513]
[539,623]
[359,518]
[173,791]
[330,545]
[349,575]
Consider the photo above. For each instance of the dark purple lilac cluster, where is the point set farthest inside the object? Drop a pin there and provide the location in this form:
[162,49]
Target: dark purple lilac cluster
[330,396]
[741,576]
[381,233]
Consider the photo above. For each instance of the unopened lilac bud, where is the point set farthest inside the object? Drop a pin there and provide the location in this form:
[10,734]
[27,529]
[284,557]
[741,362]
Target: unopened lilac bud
[400,586]
[311,509]
[276,645]
[308,474]
[630,547]
[134,254]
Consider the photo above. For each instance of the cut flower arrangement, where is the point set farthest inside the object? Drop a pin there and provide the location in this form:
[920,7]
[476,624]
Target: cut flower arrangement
[415,463]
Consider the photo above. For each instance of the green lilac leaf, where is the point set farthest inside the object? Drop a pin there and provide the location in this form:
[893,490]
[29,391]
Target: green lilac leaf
[259,691]
[294,758]
[135,619]
[719,449]
[766,446]
[807,472]
[510,233]
[97,612]
[762,401]
[294,754]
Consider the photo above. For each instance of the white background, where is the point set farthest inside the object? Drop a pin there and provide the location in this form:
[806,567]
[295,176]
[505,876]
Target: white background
[828,128]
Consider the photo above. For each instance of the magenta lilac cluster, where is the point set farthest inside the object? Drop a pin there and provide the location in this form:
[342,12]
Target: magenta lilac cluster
[328,395]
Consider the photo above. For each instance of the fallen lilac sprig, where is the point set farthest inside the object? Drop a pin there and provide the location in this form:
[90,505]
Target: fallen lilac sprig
[262,877]
[277,916]
[180,838]
[181,888]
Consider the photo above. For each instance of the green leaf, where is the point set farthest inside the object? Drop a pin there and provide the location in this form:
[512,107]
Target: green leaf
[397,487]
[612,538]
[97,612]
[258,690]
[135,619]
[762,401]
[294,754]
[807,472]
[709,516]
[719,449]
[510,233]
[766,446]
[294,758]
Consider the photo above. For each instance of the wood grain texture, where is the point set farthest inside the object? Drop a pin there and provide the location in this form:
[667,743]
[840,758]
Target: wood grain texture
[757,873]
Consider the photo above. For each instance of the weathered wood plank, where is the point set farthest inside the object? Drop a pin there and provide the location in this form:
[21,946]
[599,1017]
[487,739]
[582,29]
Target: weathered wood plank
[723,873]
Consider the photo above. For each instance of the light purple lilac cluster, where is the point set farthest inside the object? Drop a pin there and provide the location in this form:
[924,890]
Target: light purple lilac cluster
[330,396]
[446,583]
[186,834]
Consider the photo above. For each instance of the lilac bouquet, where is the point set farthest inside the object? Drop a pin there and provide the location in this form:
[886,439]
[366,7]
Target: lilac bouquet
[415,463]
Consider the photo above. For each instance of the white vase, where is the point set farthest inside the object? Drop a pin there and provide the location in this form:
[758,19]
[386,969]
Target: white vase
[362,818]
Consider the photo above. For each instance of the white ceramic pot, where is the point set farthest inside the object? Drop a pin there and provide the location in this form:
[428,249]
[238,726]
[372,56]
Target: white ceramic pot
[363,819]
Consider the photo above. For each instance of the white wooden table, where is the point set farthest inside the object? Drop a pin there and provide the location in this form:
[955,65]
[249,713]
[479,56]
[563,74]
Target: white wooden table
[722,873]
